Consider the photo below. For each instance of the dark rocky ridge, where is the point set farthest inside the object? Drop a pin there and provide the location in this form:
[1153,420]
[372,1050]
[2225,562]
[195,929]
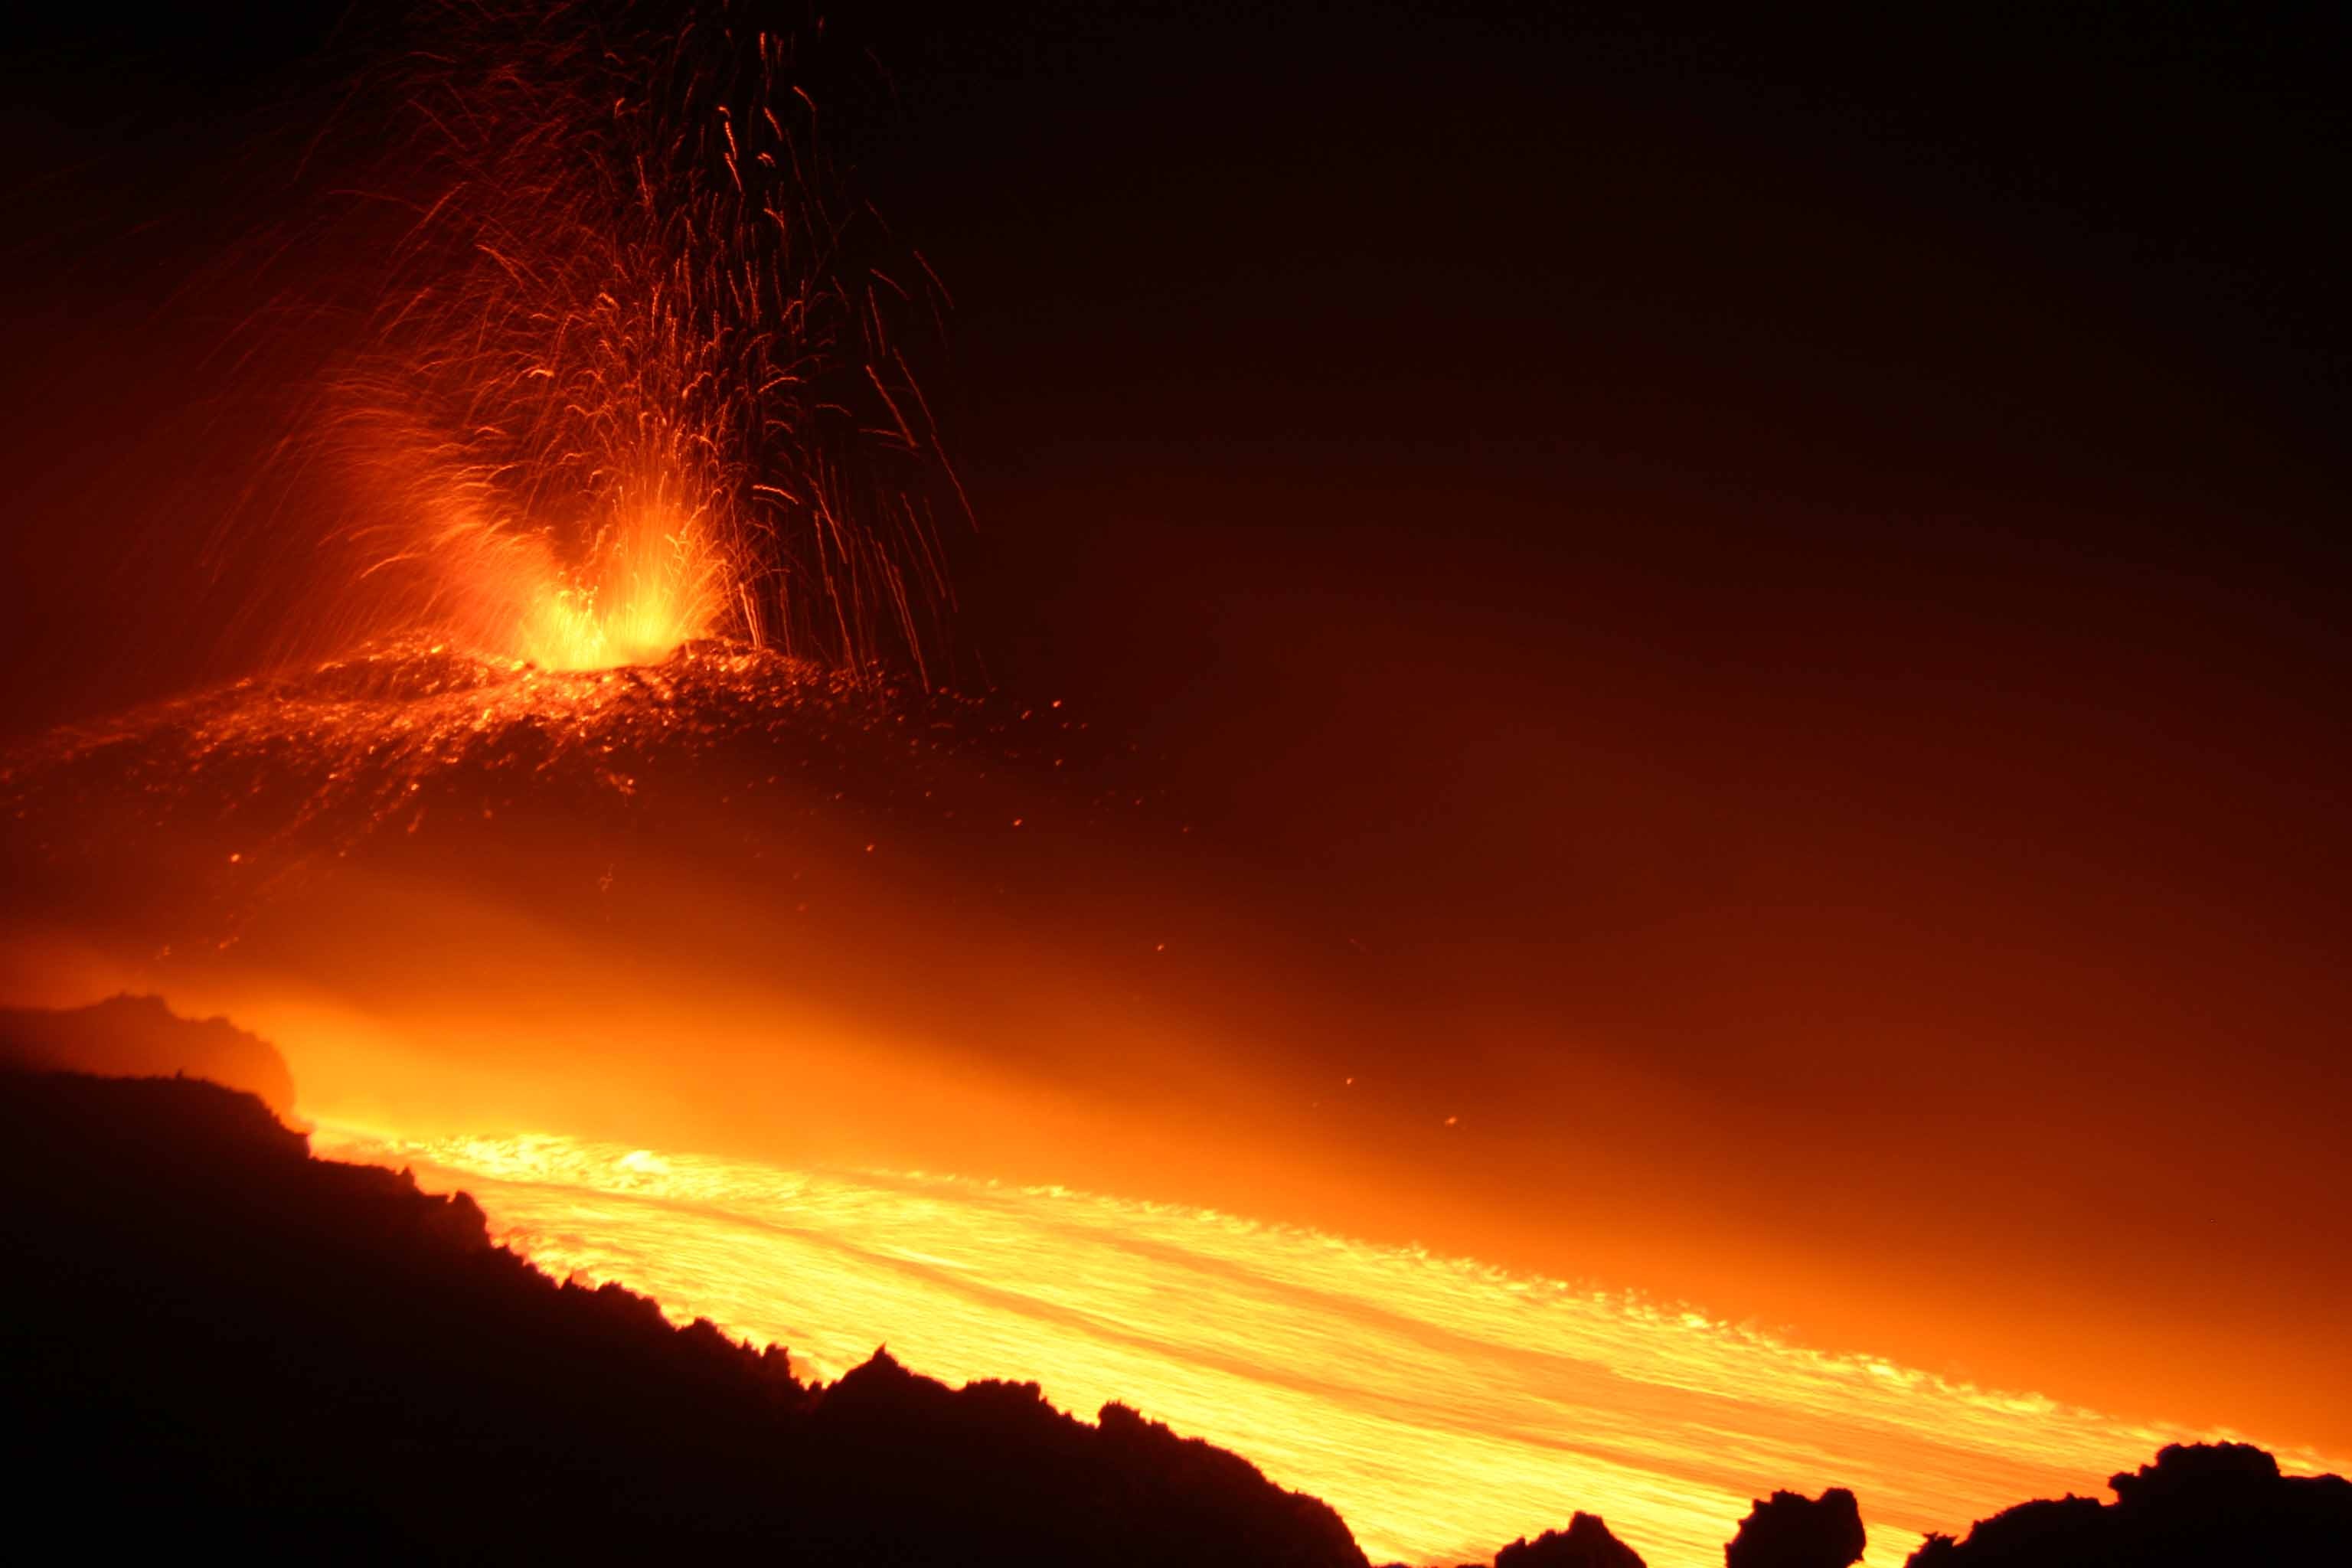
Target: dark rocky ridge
[2199,1506]
[211,1336]
[1585,1543]
[1788,1530]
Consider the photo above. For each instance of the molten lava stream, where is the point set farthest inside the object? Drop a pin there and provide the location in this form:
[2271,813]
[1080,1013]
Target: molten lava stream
[1443,1407]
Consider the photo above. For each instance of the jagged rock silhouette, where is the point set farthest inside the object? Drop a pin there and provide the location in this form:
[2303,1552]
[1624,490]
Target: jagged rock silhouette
[2199,1505]
[1788,1530]
[1585,1543]
[208,1335]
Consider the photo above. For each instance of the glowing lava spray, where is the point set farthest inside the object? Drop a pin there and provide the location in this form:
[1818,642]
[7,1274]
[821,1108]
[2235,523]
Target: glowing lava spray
[631,371]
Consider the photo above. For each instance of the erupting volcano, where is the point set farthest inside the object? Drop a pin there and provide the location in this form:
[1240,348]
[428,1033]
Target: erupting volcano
[1547,867]
[632,370]
[613,452]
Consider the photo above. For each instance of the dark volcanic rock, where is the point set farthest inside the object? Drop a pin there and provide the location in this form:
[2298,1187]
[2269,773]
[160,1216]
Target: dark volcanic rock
[973,1463]
[209,1336]
[1585,1543]
[1790,1531]
[2199,1505]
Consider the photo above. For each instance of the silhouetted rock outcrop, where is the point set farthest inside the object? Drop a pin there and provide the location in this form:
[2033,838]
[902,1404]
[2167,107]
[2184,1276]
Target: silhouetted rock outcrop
[208,1336]
[994,1462]
[139,1037]
[1585,1543]
[2201,1504]
[1788,1530]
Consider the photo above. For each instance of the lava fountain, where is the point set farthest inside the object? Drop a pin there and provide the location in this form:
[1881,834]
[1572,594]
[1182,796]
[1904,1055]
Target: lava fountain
[625,369]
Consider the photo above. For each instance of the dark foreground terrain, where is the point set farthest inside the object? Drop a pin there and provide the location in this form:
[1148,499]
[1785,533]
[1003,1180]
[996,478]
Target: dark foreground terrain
[210,1338]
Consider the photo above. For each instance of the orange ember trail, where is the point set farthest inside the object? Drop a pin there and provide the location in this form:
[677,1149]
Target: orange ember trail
[1441,1405]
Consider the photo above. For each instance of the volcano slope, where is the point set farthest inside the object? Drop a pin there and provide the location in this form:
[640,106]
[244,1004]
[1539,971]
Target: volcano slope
[211,1336]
